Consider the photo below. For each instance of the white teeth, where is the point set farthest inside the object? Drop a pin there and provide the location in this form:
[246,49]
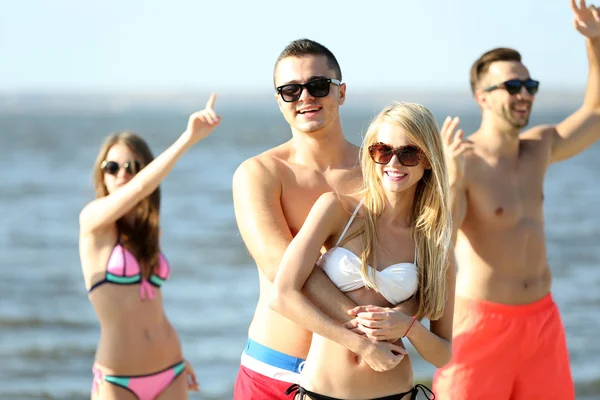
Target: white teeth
[395,174]
[305,111]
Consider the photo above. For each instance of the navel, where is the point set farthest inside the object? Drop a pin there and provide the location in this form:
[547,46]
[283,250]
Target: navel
[499,211]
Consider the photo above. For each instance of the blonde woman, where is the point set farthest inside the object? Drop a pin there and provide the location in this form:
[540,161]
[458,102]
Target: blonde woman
[139,355]
[382,246]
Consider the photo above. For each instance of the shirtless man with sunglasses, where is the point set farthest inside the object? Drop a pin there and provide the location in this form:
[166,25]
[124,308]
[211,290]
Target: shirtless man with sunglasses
[273,193]
[509,341]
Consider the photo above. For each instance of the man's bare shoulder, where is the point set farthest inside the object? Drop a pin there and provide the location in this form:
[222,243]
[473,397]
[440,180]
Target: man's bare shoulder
[474,158]
[264,166]
[476,151]
[538,135]
[535,144]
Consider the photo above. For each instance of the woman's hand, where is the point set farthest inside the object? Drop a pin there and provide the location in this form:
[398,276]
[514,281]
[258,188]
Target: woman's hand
[191,377]
[202,123]
[379,323]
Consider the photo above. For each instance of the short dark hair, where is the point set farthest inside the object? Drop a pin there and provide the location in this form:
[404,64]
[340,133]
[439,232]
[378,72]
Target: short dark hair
[307,47]
[482,65]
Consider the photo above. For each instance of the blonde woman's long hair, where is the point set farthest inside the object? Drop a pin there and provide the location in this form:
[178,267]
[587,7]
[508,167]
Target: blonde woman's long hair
[431,216]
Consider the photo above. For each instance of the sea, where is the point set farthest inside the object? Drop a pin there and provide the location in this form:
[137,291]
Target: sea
[48,144]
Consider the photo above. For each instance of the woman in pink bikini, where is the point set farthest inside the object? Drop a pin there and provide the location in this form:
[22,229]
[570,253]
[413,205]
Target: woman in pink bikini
[384,245]
[139,355]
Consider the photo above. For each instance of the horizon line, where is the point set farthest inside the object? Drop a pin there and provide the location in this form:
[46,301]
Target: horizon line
[247,90]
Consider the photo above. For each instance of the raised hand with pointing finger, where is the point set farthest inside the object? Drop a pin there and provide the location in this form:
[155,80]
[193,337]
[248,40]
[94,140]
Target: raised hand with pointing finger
[202,123]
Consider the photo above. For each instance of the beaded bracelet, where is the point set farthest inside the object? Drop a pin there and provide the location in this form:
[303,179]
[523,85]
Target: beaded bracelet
[414,318]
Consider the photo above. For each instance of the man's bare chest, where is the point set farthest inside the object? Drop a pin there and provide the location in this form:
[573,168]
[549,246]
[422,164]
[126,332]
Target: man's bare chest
[506,195]
[300,193]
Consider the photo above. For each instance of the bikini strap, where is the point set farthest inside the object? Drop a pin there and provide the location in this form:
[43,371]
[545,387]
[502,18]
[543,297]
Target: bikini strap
[424,389]
[349,222]
[415,256]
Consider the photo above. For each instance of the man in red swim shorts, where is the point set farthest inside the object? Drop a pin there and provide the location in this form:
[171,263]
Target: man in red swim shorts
[508,338]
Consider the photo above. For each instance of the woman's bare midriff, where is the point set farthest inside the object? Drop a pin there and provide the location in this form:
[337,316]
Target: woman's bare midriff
[136,337]
[335,371]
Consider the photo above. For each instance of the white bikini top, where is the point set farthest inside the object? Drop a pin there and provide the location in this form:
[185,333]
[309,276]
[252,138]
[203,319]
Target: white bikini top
[396,283]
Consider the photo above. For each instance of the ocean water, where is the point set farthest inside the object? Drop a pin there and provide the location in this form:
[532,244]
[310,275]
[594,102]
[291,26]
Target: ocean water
[48,331]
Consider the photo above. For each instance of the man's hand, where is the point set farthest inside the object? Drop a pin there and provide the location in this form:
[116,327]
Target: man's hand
[382,356]
[586,19]
[454,148]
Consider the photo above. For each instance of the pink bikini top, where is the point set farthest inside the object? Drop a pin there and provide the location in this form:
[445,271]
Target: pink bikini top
[123,269]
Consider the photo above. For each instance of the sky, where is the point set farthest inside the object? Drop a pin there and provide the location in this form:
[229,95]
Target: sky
[152,45]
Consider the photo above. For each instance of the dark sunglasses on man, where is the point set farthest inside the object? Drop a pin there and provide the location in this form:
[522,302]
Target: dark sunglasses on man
[514,86]
[317,88]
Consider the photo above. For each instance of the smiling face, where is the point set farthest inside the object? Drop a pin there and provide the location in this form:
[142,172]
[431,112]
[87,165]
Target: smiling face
[309,114]
[499,104]
[394,176]
[423,175]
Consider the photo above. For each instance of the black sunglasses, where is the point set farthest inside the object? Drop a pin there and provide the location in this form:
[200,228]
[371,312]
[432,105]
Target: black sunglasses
[382,153]
[113,167]
[317,88]
[514,86]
